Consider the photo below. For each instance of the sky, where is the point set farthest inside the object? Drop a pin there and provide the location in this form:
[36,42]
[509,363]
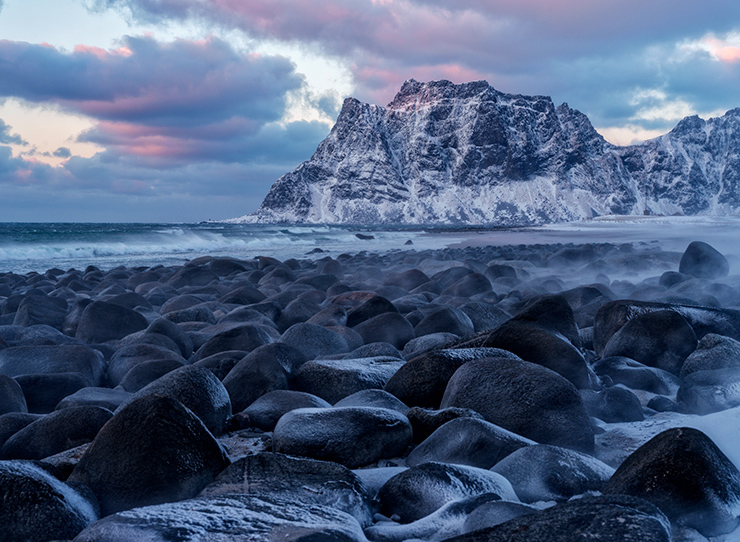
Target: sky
[189,110]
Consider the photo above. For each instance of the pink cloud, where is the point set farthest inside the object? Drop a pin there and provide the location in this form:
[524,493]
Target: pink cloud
[722,50]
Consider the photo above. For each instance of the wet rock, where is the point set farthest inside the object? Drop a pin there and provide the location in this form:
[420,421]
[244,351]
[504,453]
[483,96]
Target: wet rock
[258,373]
[682,472]
[169,329]
[265,411]
[236,517]
[295,479]
[314,341]
[611,518]
[445,320]
[635,375]
[704,261]
[373,350]
[196,388]
[484,316]
[11,396]
[525,398]
[56,432]
[375,398]
[550,473]
[713,352]
[495,513]
[101,322]
[41,309]
[389,327]
[613,405]
[420,345]
[129,357]
[146,372]
[467,441]
[44,391]
[408,280]
[333,380]
[48,359]
[153,450]
[91,396]
[38,507]
[245,337]
[12,422]
[419,491]
[422,380]
[704,392]
[374,306]
[352,436]
[297,311]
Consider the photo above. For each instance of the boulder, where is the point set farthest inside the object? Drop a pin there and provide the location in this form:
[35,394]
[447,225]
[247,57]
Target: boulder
[146,372]
[445,320]
[704,392]
[11,396]
[101,322]
[91,396]
[484,316]
[713,352]
[38,507]
[389,327]
[703,261]
[550,473]
[128,357]
[352,436]
[245,337]
[265,412]
[12,422]
[525,398]
[419,491]
[47,359]
[616,404]
[373,398]
[44,391]
[313,341]
[635,375]
[154,450]
[682,472]
[374,306]
[468,441]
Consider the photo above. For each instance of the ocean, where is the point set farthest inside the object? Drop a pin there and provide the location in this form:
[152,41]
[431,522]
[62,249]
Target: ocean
[27,247]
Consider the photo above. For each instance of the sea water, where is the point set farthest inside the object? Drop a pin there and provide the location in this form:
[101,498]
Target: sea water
[27,247]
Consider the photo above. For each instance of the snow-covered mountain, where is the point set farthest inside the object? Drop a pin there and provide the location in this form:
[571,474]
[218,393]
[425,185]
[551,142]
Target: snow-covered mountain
[442,153]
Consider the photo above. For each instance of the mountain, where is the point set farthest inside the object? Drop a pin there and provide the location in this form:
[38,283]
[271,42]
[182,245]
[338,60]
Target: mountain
[442,153]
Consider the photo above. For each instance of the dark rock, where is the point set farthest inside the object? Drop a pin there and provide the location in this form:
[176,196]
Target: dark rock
[448,320]
[245,337]
[192,275]
[704,261]
[353,339]
[389,327]
[222,363]
[468,286]
[613,405]
[713,352]
[90,396]
[683,473]
[11,396]
[661,339]
[44,391]
[180,302]
[244,295]
[661,403]
[296,479]
[297,311]
[419,491]
[609,518]
[704,392]
[525,398]
[101,321]
[375,398]
[635,375]
[196,388]
[420,345]
[56,432]
[352,436]
[550,473]
[21,360]
[373,350]
[671,278]
[232,517]
[465,441]
[38,507]
[129,357]
[495,513]
[258,373]
[422,380]
[333,380]
[13,422]
[484,316]
[330,316]
[41,309]
[314,341]
[551,313]
[153,450]
[265,412]
[408,280]
[374,306]
[145,373]
[166,327]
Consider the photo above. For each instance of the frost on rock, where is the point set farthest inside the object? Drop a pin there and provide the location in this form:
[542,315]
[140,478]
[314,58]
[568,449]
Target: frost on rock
[442,153]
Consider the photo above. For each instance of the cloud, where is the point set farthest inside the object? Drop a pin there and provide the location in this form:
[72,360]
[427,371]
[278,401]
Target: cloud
[6,138]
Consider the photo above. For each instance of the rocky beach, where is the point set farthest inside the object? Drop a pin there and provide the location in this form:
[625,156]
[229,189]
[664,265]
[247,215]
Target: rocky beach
[539,392]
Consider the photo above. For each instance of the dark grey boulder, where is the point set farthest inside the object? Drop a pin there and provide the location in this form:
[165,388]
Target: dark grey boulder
[445,320]
[468,286]
[333,380]
[374,350]
[373,398]
[703,261]
[101,322]
[426,421]
[12,422]
[248,315]
[352,436]
[165,327]
[220,364]
[374,306]
[153,450]
[56,432]
[389,327]
[244,295]
[713,352]
[44,391]
[179,302]
[47,359]
[314,341]
[196,388]
[265,411]
[146,372]
[11,396]
[661,339]
[235,337]
[682,472]
[192,275]
[419,491]
[551,473]
[494,513]
[297,311]
[258,373]
[237,518]
[330,316]
[422,380]
[467,441]
[91,396]
[525,398]
[635,375]
[609,518]
[128,357]
[615,404]
[41,309]
[351,337]
[408,280]
[295,479]
[704,392]
[484,316]
[37,506]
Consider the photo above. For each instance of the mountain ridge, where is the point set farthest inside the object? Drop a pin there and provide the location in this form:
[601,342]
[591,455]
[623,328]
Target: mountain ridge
[443,153]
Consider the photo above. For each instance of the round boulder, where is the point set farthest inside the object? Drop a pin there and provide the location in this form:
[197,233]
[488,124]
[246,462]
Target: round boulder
[704,261]
[265,412]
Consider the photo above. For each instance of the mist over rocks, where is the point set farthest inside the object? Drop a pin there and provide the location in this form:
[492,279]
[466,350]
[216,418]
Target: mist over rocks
[500,373]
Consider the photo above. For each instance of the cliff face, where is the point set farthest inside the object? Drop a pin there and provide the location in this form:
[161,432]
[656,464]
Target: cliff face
[442,153]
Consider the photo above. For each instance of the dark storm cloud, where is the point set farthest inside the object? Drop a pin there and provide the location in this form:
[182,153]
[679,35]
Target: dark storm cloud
[6,138]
